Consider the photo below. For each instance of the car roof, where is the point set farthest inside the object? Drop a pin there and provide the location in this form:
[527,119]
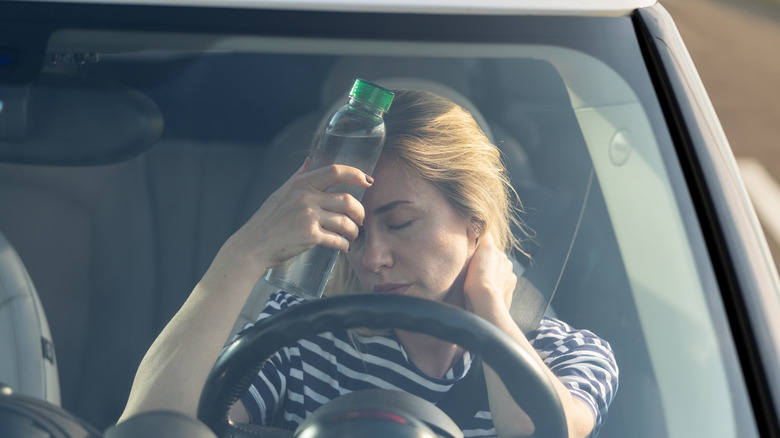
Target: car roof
[471,7]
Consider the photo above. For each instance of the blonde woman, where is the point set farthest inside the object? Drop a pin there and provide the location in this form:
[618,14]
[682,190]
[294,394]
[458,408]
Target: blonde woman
[435,222]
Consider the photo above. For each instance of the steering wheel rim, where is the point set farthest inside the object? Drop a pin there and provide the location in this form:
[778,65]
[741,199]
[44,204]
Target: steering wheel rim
[237,367]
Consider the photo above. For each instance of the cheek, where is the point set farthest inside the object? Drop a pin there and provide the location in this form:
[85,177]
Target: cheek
[444,255]
[354,258]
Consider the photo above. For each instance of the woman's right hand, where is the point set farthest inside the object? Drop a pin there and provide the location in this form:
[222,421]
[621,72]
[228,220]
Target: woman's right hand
[298,216]
[301,214]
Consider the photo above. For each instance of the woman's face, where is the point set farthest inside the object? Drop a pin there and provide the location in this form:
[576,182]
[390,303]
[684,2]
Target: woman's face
[413,242]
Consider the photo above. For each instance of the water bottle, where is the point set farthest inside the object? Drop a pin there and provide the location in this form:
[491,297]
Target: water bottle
[354,135]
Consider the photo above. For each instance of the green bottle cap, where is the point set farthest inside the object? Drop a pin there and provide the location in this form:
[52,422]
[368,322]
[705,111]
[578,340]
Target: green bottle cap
[372,94]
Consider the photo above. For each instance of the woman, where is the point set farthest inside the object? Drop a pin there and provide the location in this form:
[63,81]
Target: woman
[435,222]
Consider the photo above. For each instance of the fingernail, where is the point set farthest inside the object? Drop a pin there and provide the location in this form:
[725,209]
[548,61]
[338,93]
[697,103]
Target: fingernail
[369,179]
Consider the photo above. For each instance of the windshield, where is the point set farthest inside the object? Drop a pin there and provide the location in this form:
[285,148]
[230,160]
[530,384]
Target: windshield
[139,153]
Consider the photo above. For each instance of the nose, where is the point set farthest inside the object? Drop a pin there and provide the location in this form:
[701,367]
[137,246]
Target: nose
[377,252]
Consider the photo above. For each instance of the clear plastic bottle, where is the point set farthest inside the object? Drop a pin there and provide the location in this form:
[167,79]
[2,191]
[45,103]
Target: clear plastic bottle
[354,135]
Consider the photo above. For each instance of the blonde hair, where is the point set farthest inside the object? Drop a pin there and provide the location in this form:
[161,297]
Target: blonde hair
[443,144]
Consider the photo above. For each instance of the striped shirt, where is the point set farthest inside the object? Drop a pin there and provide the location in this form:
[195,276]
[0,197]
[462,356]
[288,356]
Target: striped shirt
[302,377]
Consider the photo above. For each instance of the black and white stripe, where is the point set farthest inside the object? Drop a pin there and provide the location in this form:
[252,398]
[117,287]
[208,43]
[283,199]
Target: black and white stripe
[300,378]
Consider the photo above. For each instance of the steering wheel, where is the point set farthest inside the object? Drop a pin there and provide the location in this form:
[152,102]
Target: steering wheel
[235,370]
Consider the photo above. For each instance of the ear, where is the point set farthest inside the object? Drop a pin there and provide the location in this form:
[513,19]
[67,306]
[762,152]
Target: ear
[474,229]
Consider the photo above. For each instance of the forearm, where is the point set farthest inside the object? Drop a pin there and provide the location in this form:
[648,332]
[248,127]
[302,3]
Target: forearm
[295,218]
[511,420]
[173,371]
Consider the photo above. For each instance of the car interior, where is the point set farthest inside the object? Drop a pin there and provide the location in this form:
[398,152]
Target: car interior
[122,173]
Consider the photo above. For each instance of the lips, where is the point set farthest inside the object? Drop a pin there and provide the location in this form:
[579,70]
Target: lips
[391,288]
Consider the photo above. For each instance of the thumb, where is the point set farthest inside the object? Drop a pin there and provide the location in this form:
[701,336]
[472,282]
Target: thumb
[304,167]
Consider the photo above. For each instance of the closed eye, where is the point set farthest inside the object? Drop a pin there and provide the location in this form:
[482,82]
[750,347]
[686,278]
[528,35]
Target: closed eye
[399,227]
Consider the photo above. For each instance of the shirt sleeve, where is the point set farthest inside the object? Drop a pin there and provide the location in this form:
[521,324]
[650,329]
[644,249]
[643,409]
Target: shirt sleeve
[266,393]
[582,361]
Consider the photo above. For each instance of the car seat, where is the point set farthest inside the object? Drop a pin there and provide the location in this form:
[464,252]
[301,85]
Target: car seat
[27,360]
[76,212]
[289,148]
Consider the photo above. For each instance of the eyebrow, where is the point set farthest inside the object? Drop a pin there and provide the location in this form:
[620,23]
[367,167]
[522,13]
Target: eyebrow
[390,205]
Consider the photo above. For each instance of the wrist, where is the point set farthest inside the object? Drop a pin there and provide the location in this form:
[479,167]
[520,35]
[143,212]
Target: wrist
[234,268]
[239,253]
[489,307]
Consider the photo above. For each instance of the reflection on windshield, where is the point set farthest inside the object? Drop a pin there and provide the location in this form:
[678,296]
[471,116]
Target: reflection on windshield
[177,140]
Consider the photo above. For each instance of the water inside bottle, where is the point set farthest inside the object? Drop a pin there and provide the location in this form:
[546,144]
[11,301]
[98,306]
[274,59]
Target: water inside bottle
[356,151]
[306,274]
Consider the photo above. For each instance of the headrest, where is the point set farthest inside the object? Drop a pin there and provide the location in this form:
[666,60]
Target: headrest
[445,71]
[70,120]
[442,90]
[414,83]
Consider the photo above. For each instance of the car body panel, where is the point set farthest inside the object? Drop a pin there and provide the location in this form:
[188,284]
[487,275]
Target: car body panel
[509,7]
[681,180]
[754,272]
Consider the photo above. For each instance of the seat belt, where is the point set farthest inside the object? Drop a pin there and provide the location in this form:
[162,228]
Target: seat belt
[537,285]
[532,297]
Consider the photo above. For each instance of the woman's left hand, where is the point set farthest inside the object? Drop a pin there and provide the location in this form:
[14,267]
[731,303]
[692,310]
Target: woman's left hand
[490,280]
[488,288]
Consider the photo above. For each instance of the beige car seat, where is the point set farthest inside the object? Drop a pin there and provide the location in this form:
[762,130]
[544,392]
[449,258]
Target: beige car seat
[27,360]
[290,147]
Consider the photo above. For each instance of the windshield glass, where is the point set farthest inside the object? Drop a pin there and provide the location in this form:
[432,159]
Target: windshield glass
[142,152]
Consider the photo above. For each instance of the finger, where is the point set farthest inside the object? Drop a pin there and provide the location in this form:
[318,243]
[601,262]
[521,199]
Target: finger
[304,167]
[334,240]
[328,176]
[487,239]
[345,204]
[340,224]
